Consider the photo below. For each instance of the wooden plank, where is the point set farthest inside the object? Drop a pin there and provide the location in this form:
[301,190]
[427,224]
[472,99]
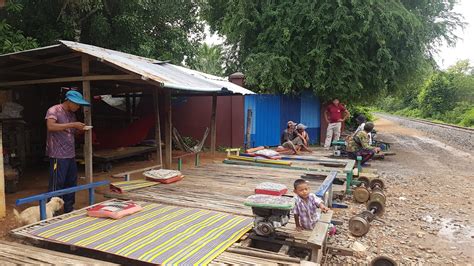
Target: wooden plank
[168,130]
[86,90]
[261,254]
[156,102]
[3,207]
[308,263]
[213,124]
[69,79]
[318,237]
[319,234]
[326,217]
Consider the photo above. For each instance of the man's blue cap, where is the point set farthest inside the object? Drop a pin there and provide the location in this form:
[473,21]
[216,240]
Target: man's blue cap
[76,97]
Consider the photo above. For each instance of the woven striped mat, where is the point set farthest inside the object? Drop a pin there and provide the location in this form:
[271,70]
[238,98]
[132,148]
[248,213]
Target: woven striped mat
[124,186]
[158,234]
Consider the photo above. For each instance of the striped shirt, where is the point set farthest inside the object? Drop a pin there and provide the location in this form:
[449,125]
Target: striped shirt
[306,210]
[60,144]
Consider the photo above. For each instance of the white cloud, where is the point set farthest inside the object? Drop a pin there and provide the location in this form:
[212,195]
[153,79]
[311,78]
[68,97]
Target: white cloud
[464,48]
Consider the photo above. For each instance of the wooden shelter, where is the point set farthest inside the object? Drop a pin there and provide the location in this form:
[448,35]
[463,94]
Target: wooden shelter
[100,71]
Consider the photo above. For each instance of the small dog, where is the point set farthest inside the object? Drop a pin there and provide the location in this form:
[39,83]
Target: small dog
[32,214]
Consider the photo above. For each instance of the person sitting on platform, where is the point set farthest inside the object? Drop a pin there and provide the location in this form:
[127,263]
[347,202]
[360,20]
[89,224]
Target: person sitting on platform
[361,120]
[287,137]
[303,136]
[306,205]
[359,145]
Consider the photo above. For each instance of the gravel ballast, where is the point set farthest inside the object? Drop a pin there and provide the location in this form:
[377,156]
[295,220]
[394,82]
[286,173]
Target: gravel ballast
[459,138]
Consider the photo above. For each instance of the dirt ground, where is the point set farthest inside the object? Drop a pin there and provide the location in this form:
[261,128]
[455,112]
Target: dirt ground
[35,181]
[429,214]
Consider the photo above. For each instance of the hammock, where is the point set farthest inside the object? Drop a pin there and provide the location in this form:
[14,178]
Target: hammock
[184,147]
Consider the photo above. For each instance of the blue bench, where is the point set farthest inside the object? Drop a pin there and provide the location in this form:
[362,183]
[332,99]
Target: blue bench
[42,198]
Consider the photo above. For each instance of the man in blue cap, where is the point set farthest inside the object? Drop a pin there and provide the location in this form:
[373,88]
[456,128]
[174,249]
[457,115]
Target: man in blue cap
[62,126]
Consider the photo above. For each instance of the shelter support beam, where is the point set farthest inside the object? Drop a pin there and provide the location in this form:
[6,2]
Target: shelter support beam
[86,90]
[3,207]
[213,124]
[156,103]
[168,128]
[70,79]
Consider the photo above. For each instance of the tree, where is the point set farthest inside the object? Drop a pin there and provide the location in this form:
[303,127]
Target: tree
[165,30]
[351,49]
[11,39]
[209,59]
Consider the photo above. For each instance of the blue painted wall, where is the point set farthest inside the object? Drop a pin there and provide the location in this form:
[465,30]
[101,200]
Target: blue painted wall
[270,113]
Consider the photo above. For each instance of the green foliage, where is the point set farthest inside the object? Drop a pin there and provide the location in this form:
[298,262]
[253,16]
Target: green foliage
[410,112]
[357,110]
[12,39]
[208,59]
[437,96]
[166,30]
[350,49]
[468,118]
[446,96]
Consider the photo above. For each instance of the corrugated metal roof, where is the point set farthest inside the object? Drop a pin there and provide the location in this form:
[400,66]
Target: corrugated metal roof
[169,75]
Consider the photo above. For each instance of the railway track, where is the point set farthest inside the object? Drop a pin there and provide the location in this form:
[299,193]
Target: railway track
[457,136]
[428,122]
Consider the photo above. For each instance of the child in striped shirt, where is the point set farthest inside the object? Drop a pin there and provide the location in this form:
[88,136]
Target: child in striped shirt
[306,205]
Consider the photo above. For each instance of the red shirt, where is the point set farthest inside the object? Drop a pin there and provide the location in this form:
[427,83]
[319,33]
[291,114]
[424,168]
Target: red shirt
[335,112]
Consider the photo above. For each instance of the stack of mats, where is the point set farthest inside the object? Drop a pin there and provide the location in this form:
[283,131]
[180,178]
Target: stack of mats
[124,186]
[159,234]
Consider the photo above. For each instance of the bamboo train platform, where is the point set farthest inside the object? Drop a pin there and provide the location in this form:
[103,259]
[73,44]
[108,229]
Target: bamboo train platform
[221,188]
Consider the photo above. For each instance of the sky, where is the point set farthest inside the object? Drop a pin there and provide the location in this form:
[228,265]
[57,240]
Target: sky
[446,56]
[464,48]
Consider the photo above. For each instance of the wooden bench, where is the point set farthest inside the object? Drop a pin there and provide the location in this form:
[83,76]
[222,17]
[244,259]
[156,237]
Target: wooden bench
[180,159]
[126,175]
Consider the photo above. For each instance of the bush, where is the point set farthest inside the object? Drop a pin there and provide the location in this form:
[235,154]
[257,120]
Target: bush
[409,112]
[456,115]
[355,112]
[437,96]
[468,118]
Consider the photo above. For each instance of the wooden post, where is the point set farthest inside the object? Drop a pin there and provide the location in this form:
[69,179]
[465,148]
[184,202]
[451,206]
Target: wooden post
[168,130]
[248,129]
[86,90]
[3,207]
[213,124]
[159,156]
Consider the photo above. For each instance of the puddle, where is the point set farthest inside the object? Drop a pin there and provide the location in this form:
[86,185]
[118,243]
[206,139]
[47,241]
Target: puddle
[455,231]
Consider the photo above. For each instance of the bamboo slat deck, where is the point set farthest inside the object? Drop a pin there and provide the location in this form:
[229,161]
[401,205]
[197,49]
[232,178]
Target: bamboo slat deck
[18,254]
[218,187]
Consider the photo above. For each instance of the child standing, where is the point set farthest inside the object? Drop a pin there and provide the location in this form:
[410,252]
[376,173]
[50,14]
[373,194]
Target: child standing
[305,206]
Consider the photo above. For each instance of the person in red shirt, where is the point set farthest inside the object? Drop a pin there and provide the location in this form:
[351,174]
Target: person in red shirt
[335,115]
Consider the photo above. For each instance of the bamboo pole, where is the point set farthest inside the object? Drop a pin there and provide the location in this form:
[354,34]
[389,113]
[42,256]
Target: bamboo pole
[86,90]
